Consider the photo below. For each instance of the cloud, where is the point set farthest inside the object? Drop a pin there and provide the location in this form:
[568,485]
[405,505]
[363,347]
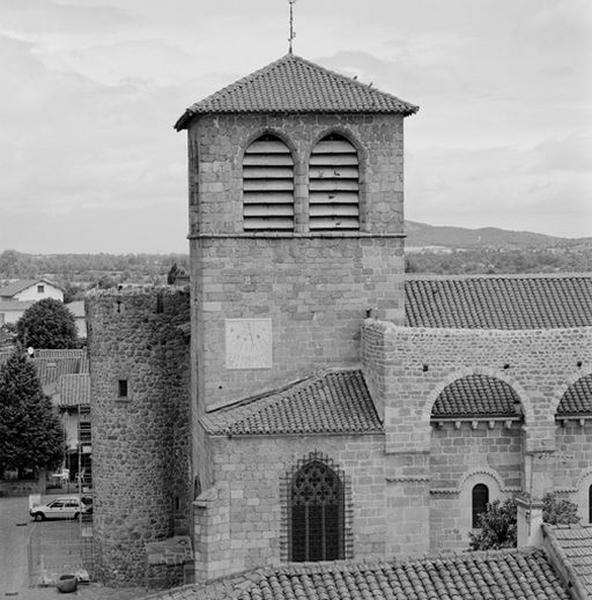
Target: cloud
[92,88]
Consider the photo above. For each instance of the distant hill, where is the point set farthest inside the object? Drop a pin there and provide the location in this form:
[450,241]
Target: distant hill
[422,235]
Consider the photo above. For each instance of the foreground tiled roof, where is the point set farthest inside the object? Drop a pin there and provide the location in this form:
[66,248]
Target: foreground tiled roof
[295,85]
[501,575]
[478,396]
[334,402]
[575,548]
[73,390]
[578,398]
[500,301]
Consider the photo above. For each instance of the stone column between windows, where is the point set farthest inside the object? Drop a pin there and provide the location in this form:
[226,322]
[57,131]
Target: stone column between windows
[301,216]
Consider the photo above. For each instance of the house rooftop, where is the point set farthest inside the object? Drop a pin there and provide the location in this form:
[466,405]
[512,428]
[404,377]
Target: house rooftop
[73,390]
[541,301]
[295,85]
[19,285]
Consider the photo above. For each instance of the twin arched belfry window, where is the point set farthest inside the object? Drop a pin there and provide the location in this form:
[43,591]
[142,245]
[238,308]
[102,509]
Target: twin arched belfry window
[316,514]
[268,185]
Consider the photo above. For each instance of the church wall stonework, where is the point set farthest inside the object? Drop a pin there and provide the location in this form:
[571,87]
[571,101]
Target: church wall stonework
[418,363]
[316,291]
[573,464]
[469,450]
[248,525]
[141,443]
[315,287]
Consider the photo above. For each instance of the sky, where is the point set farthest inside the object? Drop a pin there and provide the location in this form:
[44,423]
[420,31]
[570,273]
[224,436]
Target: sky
[90,90]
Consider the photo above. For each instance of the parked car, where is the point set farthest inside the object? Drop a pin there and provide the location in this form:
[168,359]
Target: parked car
[63,507]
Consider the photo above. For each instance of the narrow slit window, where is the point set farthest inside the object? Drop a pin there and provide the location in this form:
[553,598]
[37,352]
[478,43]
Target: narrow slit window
[334,185]
[590,504]
[317,514]
[122,388]
[480,499]
[268,186]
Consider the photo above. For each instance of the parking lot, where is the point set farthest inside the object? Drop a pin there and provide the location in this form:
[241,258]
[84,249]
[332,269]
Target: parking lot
[29,550]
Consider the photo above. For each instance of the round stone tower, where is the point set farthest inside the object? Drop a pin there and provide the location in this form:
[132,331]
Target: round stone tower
[139,369]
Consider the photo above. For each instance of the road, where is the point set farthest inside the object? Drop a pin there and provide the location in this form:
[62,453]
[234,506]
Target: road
[13,545]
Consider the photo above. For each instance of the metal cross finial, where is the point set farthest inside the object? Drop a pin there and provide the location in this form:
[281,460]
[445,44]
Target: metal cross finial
[292,32]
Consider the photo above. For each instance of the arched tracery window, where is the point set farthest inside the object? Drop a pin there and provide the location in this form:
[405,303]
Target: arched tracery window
[317,514]
[480,499]
[334,185]
[268,186]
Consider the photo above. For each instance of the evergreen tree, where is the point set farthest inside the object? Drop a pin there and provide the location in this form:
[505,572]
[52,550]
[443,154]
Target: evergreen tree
[31,435]
[47,324]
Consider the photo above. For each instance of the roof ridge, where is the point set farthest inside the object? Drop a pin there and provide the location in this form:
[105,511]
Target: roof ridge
[468,276]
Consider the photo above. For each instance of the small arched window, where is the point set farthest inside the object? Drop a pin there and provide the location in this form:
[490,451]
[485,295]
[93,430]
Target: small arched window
[480,499]
[334,185]
[317,514]
[268,186]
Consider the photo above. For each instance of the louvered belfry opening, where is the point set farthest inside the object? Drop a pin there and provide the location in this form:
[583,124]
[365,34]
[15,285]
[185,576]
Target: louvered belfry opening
[268,186]
[480,499]
[317,514]
[334,185]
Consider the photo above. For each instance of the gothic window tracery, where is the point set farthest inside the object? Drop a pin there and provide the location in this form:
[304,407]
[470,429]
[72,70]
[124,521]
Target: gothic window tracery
[317,514]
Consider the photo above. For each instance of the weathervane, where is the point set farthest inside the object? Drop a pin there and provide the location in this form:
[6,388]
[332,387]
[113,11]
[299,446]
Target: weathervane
[292,32]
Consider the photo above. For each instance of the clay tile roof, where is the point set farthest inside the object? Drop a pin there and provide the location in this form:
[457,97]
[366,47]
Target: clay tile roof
[73,390]
[295,85]
[577,399]
[511,575]
[500,301]
[333,402]
[574,545]
[477,396]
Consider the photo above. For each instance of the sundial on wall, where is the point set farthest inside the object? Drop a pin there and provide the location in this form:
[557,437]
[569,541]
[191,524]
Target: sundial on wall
[248,343]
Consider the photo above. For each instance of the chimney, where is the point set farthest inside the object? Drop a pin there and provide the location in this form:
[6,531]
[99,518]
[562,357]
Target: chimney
[529,521]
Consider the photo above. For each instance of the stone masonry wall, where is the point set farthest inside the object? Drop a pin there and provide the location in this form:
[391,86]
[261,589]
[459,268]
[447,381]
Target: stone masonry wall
[419,363]
[141,444]
[457,453]
[316,287]
[316,292]
[247,524]
[409,368]
[217,144]
[573,464]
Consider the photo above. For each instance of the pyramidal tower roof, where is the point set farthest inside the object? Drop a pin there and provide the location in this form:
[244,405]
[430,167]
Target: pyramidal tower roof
[295,85]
